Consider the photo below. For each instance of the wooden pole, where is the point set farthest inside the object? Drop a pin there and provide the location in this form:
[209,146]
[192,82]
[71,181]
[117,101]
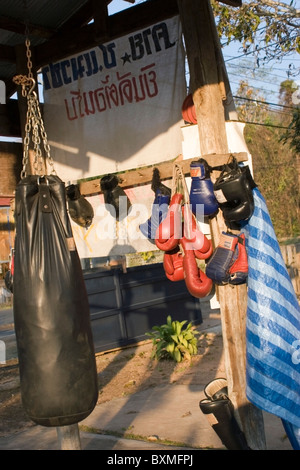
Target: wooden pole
[68,437]
[207,85]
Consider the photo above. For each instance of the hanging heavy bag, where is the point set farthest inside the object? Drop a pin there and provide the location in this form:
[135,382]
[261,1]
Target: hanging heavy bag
[51,311]
[115,198]
[58,375]
[80,210]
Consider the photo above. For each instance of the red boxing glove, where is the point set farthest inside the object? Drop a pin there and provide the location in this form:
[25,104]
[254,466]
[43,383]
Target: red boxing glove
[173,265]
[197,283]
[169,232]
[239,270]
[193,238]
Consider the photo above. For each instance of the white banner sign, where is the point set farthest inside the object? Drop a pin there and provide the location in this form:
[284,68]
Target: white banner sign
[117,106]
[109,237]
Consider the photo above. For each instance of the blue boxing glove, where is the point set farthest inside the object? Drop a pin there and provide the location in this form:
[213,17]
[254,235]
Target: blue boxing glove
[202,190]
[229,263]
[160,209]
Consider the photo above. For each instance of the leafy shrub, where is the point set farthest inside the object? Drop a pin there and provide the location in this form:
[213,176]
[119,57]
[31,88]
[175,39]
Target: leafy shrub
[172,341]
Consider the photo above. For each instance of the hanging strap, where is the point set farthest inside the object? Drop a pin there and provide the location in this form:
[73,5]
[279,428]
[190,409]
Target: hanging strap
[231,164]
[179,186]
[34,126]
[179,183]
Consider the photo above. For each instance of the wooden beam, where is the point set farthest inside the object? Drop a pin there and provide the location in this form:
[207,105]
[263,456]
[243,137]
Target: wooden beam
[143,175]
[9,120]
[80,18]
[7,54]
[232,3]
[18,26]
[100,14]
[200,41]
[122,23]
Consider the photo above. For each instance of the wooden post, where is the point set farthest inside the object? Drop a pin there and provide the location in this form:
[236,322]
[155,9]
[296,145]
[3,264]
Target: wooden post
[68,437]
[207,86]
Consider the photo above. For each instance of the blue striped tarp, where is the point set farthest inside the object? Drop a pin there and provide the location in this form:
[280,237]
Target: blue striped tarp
[273,324]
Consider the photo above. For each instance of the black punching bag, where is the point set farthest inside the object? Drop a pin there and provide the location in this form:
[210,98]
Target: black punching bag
[51,312]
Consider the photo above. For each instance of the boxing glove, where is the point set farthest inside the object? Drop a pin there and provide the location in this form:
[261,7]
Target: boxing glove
[173,265]
[196,281]
[80,210]
[220,412]
[239,269]
[193,238]
[156,184]
[169,232]
[202,197]
[233,191]
[229,263]
[159,212]
[9,276]
[115,198]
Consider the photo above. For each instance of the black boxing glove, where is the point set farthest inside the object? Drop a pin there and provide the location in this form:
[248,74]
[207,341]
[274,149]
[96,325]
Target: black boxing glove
[233,191]
[80,209]
[112,192]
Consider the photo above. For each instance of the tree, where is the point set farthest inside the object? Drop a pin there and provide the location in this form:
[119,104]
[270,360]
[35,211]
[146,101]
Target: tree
[268,28]
[286,92]
[250,104]
[275,162]
[287,96]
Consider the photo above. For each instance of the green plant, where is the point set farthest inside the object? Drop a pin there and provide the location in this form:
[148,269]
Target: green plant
[172,341]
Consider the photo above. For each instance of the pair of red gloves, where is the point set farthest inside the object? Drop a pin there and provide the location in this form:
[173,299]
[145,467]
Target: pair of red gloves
[183,243]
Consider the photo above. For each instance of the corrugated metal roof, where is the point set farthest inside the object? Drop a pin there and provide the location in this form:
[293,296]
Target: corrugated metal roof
[46,13]
[50,15]
[18,14]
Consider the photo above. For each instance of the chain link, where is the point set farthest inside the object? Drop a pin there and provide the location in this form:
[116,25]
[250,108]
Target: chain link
[28,55]
[34,126]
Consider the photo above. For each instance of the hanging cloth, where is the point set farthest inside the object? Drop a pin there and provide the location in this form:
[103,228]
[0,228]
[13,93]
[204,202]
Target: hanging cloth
[57,365]
[273,325]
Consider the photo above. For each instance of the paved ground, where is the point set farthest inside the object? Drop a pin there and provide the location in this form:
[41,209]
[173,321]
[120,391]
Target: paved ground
[165,417]
[169,413]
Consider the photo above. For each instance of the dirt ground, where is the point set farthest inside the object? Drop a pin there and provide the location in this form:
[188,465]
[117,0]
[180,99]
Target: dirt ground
[120,373]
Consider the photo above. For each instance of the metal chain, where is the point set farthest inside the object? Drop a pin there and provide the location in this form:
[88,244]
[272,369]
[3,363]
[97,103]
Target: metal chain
[34,126]
[28,55]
